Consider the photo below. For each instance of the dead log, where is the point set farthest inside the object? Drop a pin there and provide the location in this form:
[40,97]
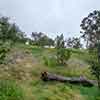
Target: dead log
[46,76]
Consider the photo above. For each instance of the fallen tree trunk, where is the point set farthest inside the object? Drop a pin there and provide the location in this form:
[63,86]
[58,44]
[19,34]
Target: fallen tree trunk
[46,76]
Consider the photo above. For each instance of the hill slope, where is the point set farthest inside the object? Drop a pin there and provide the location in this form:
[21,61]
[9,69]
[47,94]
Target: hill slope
[25,64]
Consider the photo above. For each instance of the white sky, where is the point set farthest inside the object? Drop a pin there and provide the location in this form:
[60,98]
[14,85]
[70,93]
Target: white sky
[50,16]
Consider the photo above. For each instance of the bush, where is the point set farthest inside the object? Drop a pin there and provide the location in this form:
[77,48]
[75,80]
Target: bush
[63,55]
[9,90]
[50,61]
[4,48]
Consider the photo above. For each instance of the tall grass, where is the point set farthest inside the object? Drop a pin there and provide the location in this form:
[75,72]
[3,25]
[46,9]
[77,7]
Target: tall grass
[54,91]
[9,90]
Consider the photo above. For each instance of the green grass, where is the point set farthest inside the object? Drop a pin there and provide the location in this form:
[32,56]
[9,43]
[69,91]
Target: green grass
[89,93]
[9,90]
[61,91]
[54,91]
[50,61]
[37,50]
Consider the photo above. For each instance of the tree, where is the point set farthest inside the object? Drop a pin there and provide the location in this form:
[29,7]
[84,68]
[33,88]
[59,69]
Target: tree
[74,43]
[69,42]
[41,39]
[59,42]
[36,36]
[9,34]
[9,31]
[15,33]
[90,26]
[4,26]
[62,54]
[95,63]
[91,33]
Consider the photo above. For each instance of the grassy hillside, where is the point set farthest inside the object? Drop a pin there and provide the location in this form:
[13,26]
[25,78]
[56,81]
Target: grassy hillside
[25,64]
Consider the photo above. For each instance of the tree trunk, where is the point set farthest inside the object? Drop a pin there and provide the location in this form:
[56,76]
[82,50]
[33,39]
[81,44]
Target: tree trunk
[45,76]
[98,80]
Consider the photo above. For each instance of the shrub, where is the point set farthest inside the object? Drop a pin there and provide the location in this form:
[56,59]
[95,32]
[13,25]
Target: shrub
[4,48]
[63,55]
[50,61]
[9,90]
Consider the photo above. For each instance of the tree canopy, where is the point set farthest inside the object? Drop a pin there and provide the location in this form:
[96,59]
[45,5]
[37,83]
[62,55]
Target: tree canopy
[90,26]
[41,39]
[9,31]
[74,43]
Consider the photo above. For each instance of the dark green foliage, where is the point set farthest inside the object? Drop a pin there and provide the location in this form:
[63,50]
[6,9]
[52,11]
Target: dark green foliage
[91,33]
[94,61]
[90,26]
[63,55]
[45,41]
[96,71]
[9,90]
[41,39]
[9,35]
[9,31]
[2,55]
[59,42]
[4,49]
[74,43]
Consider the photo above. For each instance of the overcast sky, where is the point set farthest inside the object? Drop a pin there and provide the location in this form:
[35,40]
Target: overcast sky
[49,16]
